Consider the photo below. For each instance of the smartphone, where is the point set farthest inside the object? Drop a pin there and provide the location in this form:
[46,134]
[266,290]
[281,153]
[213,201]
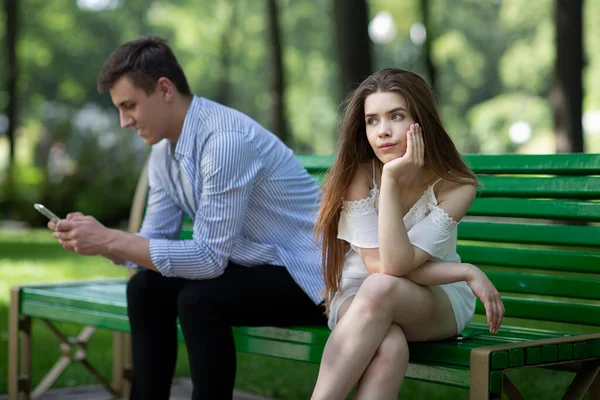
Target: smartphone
[47,213]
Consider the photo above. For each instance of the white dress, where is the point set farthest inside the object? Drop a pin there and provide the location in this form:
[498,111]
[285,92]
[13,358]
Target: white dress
[429,228]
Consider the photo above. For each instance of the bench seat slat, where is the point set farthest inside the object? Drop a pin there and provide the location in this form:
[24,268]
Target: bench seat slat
[576,187]
[543,259]
[543,234]
[529,208]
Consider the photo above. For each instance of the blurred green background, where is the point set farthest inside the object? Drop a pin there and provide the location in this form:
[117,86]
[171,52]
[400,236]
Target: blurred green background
[494,64]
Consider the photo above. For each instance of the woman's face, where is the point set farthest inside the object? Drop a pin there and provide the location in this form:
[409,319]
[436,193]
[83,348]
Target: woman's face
[387,121]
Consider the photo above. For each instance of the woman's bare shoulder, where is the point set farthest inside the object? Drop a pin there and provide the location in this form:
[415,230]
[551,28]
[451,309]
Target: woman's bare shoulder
[446,189]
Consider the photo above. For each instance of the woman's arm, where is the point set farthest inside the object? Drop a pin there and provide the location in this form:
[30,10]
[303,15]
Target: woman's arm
[439,273]
[396,255]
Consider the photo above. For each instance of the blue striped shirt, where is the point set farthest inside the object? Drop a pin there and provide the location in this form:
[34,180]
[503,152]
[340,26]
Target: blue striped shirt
[250,199]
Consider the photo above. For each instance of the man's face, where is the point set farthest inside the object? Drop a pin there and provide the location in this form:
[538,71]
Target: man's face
[148,114]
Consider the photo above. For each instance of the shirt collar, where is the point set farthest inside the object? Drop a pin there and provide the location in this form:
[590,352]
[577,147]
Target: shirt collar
[184,146]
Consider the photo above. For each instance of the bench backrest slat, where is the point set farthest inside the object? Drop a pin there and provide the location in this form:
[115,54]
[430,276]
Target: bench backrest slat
[554,164]
[567,187]
[540,234]
[535,208]
[548,310]
[555,286]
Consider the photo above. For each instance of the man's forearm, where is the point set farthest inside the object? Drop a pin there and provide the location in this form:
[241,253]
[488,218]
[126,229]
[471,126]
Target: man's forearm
[125,246]
[440,273]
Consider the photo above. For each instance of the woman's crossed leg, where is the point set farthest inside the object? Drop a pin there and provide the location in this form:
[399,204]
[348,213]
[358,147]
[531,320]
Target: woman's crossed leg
[368,346]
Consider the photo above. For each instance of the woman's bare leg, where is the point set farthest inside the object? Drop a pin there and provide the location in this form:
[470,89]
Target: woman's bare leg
[423,313]
[385,373]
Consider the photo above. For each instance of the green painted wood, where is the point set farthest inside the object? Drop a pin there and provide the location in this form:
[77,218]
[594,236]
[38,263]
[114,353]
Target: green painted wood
[565,351]
[569,164]
[79,316]
[594,346]
[542,234]
[548,310]
[516,357]
[549,353]
[533,355]
[525,208]
[499,360]
[308,335]
[572,187]
[562,286]
[286,350]
[315,164]
[553,260]
[444,374]
[495,381]
[109,299]
[580,350]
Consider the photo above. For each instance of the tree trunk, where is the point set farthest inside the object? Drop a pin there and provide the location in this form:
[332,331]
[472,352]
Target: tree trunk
[278,124]
[352,42]
[222,95]
[566,93]
[11,77]
[431,73]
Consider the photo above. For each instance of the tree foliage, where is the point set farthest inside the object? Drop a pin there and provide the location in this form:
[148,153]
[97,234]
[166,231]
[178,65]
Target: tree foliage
[493,59]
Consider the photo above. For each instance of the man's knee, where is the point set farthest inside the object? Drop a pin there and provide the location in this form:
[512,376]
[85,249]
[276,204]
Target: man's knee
[145,285]
[200,299]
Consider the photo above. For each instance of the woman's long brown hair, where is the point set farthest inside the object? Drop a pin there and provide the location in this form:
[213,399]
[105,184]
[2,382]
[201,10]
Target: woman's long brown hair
[354,149]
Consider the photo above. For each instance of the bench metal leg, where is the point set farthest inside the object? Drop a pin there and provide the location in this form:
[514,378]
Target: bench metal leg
[583,381]
[79,344]
[595,389]
[117,362]
[480,375]
[510,389]
[25,378]
[128,367]
[19,347]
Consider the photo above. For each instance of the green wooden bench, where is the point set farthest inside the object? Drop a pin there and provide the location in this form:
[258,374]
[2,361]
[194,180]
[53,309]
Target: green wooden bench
[534,229]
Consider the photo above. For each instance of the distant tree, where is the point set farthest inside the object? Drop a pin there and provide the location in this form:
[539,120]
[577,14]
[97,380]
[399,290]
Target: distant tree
[223,87]
[278,120]
[566,93]
[11,12]
[425,15]
[352,42]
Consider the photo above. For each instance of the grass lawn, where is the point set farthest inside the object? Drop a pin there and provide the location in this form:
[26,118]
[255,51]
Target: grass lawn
[32,256]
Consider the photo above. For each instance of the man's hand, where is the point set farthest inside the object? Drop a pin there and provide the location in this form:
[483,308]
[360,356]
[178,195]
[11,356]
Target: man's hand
[81,234]
[485,291]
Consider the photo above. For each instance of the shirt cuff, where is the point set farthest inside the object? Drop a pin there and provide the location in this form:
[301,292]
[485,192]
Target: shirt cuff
[159,255]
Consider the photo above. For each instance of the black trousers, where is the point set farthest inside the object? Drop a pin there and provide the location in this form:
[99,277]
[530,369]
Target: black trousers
[207,309]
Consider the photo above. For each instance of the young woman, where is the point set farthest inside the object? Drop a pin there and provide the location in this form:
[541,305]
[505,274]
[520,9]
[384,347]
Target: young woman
[388,220]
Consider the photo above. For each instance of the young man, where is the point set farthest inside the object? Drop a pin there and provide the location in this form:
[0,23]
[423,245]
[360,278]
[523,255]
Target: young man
[252,260]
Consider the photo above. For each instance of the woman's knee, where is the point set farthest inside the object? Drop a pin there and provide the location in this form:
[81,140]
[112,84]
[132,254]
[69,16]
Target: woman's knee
[377,291]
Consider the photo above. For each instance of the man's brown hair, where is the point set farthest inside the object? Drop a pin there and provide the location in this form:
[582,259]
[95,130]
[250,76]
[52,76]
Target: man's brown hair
[143,61]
